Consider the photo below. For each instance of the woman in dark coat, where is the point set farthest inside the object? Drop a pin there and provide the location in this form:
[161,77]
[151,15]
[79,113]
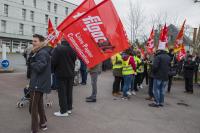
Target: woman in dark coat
[40,82]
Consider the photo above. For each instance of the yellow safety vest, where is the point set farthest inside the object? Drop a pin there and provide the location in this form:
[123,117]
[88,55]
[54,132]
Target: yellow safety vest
[117,61]
[127,68]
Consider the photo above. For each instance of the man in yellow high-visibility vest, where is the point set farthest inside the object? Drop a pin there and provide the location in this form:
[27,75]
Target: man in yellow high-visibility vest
[128,71]
[117,73]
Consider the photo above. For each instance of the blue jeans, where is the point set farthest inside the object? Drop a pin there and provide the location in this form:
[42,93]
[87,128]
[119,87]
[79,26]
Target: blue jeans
[132,83]
[159,91]
[127,84]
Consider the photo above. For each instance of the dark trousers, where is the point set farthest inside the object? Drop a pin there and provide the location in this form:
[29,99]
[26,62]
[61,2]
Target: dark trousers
[36,108]
[196,76]
[169,83]
[189,84]
[138,81]
[84,76]
[65,95]
[117,84]
[150,91]
[145,76]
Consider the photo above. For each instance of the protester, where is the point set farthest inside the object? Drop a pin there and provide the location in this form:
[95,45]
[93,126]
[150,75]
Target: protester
[145,73]
[40,82]
[117,72]
[94,73]
[129,68]
[189,67]
[84,73]
[63,62]
[150,73]
[77,72]
[197,62]
[139,71]
[160,74]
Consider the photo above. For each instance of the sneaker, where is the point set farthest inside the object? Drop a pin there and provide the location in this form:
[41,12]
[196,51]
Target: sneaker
[61,115]
[69,112]
[161,105]
[133,93]
[149,98]
[154,105]
[115,94]
[129,93]
[90,97]
[141,87]
[43,127]
[124,98]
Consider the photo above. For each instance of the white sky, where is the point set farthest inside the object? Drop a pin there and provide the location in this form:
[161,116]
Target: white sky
[183,9]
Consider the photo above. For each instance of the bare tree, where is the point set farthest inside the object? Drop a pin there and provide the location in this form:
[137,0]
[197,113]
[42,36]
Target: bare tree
[196,41]
[135,21]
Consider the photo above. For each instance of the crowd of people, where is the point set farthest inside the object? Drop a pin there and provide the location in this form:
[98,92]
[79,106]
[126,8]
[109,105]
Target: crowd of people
[59,69]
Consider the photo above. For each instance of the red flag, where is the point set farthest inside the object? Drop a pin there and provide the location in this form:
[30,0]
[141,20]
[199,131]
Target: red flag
[163,41]
[98,34]
[179,39]
[181,53]
[79,11]
[53,35]
[150,42]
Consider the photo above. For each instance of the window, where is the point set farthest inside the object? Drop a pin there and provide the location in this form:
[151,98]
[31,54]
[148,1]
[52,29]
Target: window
[24,14]
[55,7]
[34,3]
[3,26]
[46,19]
[56,21]
[21,29]
[6,9]
[66,11]
[22,2]
[33,29]
[49,6]
[32,15]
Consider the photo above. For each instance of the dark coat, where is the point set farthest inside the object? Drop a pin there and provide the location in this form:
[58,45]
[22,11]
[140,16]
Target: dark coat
[63,61]
[189,68]
[161,65]
[40,65]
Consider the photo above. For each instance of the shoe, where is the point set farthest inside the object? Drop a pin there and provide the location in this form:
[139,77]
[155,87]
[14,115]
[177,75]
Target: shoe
[154,105]
[149,98]
[33,132]
[129,93]
[61,115]
[83,83]
[124,98]
[69,112]
[92,100]
[90,97]
[190,92]
[141,87]
[133,93]
[43,127]
[119,93]
[115,94]
[161,105]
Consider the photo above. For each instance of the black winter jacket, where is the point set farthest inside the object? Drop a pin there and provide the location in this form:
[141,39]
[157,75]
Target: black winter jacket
[161,65]
[189,68]
[40,65]
[63,61]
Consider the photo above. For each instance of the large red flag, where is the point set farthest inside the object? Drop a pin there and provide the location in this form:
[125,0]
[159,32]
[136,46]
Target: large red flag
[150,42]
[179,39]
[98,34]
[79,11]
[163,41]
[53,35]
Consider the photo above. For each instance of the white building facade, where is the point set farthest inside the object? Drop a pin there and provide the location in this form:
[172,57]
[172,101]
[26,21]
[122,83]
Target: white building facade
[20,19]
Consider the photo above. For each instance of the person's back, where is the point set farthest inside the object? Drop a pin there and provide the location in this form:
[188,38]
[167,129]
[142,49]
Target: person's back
[161,66]
[63,61]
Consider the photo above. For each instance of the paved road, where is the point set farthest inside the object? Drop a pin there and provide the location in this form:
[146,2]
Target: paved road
[105,116]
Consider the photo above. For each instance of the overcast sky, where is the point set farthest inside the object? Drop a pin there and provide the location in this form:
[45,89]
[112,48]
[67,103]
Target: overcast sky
[181,9]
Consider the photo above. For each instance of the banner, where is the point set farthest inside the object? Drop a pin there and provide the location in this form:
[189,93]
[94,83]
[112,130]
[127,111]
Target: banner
[163,41]
[79,11]
[54,36]
[98,34]
[179,39]
[181,53]
[150,42]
